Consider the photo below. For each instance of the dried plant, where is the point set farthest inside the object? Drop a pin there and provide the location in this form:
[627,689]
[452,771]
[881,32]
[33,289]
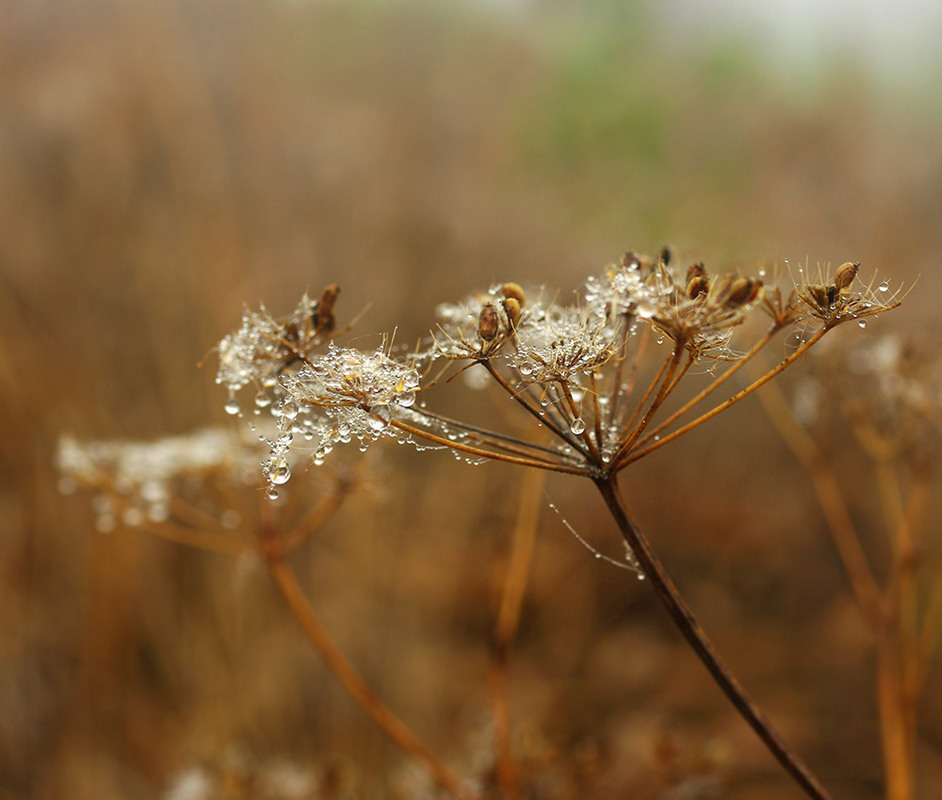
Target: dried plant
[579,374]
[887,392]
[203,490]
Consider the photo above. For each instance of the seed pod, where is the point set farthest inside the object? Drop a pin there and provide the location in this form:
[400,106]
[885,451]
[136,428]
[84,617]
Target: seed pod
[696,271]
[292,334]
[819,296]
[698,285]
[512,307]
[487,322]
[845,275]
[323,318]
[513,290]
[743,291]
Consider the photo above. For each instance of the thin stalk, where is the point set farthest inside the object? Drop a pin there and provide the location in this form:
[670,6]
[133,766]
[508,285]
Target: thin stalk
[894,735]
[629,438]
[628,457]
[506,625]
[481,453]
[687,624]
[586,435]
[713,386]
[627,428]
[493,438]
[315,517]
[864,585]
[394,728]
[200,539]
[543,419]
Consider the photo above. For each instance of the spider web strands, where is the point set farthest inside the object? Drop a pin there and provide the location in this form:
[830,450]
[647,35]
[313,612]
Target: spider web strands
[628,457]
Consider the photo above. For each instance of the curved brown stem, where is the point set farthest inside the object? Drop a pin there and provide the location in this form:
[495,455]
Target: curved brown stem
[337,663]
[687,624]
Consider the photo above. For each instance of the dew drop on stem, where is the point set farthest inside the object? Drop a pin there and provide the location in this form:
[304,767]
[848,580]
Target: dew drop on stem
[577,426]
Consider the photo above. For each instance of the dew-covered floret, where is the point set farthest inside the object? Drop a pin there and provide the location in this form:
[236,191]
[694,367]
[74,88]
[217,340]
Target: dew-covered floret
[145,475]
[560,344]
[264,347]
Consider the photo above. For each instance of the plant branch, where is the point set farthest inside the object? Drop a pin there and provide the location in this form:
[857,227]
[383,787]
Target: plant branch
[394,728]
[687,624]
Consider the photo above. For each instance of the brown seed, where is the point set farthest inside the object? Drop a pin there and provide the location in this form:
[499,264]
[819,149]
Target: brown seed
[845,275]
[487,322]
[742,291]
[696,271]
[323,317]
[819,296]
[512,307]
[698,285]
[513,290]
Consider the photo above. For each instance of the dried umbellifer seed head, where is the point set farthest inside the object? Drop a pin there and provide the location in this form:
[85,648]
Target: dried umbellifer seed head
[487,322]
[845,275]
[512,307]
[513,290]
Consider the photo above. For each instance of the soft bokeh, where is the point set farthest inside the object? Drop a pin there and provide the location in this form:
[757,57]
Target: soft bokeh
[163,164]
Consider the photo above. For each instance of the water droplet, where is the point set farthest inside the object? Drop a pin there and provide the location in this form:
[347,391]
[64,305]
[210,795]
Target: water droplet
[762,272]
[272,493]
[411,379]
[281,473]
[406,398]
[577,426]
[290,409]
[132,516]
[525,367]
[884,287]
[232,406]
[105,523]
[380,416]
[263,399]
[862,323]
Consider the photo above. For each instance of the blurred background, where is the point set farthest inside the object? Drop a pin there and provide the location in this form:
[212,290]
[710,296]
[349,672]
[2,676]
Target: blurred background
[164,164]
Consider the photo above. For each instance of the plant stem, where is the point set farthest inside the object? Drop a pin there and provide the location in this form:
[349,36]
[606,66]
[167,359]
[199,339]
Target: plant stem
[366,698]
[687,624]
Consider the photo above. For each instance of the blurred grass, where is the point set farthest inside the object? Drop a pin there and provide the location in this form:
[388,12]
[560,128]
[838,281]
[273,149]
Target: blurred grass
[162,164]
